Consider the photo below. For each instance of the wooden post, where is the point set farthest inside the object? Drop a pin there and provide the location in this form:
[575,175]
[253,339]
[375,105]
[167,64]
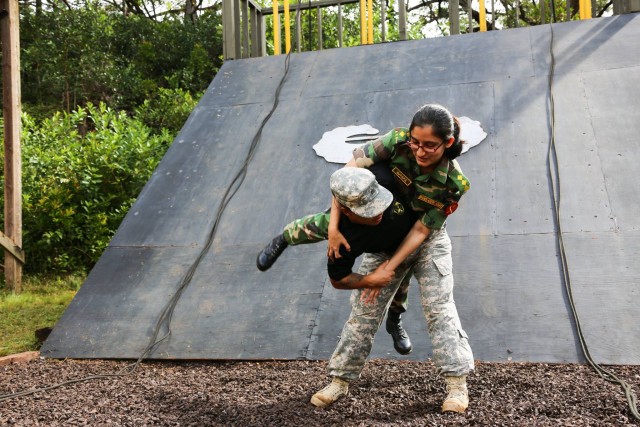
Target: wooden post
[454,17]
[244,22]
[370,21]
[383,21]
[340,37]
[402,20]
[363,22]
[255,48]
[493,15]
[237,29]
[276,29]
[298,32]
[229,29]
[287,28]
[319,14]
[9,23]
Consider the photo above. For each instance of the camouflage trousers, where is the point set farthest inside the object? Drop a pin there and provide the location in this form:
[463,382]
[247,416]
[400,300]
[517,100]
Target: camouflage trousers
[315,228]
[432,267]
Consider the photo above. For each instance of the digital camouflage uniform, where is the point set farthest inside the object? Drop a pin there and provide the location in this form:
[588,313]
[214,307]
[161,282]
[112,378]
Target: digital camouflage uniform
[436,195]
[315,228]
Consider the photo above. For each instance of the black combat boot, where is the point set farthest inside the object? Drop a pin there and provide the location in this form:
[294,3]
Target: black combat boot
[401,341]
[271,252]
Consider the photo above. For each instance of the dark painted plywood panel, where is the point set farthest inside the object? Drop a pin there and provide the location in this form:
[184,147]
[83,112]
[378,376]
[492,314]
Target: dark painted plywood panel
[255,80]
[604,275]
[420,64]
[287,180]
[522,141]
[234,311]
[590,45]
[585,204]
[191,179]
[510,299]
[614,102]
[115,311]
[218,315]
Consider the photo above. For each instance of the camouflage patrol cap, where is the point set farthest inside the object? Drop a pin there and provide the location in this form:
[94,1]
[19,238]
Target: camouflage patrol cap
[358,190]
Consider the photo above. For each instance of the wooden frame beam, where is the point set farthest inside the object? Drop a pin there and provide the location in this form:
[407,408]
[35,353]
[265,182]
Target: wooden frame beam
[10,34]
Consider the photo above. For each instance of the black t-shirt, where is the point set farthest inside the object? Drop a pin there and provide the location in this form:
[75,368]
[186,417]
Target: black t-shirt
[396,222]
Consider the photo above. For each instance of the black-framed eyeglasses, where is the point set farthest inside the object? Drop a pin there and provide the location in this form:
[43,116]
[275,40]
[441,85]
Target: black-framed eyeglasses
[415,145]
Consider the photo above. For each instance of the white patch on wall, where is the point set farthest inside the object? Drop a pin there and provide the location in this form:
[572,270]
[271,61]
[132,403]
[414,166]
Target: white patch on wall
[337,145]
[471,132]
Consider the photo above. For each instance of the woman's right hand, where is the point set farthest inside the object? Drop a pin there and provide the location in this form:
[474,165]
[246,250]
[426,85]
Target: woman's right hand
[336,239]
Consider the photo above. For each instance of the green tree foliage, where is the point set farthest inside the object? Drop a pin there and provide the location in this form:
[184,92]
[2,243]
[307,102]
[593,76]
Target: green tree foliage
[82,171]
[72,57]
[104,93]
[169,109]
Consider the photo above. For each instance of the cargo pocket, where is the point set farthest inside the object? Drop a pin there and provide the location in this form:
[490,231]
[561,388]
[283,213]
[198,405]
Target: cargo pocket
[462,334]
[444,265]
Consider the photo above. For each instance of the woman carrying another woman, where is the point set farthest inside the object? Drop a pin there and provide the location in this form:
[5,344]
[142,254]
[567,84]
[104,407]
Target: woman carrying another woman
[421,159]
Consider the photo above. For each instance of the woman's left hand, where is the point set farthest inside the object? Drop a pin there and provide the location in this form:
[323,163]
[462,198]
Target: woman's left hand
[369,295]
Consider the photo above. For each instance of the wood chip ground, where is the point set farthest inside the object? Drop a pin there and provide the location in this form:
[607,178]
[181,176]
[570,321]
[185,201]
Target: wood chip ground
[277,393]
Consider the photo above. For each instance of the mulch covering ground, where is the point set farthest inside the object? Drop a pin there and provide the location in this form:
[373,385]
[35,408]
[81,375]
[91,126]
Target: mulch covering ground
[277,393]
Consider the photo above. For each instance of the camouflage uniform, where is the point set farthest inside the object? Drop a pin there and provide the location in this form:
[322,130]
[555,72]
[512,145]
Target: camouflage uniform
[436,195]
[432,267]
[315,228]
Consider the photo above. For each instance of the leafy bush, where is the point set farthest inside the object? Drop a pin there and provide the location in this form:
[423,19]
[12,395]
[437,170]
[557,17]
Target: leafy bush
[168,109]
[81,173]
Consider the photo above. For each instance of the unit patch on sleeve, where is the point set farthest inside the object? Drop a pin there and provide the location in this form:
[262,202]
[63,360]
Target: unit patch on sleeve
[430,201]
[451,208]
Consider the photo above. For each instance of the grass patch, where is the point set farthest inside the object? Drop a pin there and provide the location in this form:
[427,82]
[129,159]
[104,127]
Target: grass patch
[39,305]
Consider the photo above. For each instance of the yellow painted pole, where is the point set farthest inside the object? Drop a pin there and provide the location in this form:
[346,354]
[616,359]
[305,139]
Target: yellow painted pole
[276,29]
[287,28]
[580,8]
[363,22]
[483,17]
[370,21]
[585,9]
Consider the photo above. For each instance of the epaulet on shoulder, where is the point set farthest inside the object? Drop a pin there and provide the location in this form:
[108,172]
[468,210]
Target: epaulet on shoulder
[454,167]
[457,176]
[400,133]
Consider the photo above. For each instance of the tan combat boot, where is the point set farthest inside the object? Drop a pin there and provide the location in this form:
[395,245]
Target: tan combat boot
[330,393]
[457,395]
